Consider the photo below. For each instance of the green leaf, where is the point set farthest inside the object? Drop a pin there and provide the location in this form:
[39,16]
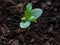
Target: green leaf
[28,14]
[37,12]
[23,19]
[25,24]
[29,7]
[33,18]
[28,11]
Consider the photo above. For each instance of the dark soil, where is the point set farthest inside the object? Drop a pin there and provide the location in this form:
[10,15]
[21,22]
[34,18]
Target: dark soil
[45,32]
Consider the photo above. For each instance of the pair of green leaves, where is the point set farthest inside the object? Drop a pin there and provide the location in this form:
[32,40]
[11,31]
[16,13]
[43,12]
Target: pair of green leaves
[30,15]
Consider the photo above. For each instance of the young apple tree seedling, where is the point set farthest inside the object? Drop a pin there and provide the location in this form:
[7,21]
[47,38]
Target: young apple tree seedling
[30,15]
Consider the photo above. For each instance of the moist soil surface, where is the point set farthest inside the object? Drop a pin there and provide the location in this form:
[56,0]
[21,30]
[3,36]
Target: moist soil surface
[45,32]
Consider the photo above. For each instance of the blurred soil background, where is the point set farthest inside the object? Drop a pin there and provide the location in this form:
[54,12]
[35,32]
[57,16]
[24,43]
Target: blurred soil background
[45,32]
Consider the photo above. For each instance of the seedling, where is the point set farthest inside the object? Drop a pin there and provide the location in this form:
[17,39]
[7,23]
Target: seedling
[30,15]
